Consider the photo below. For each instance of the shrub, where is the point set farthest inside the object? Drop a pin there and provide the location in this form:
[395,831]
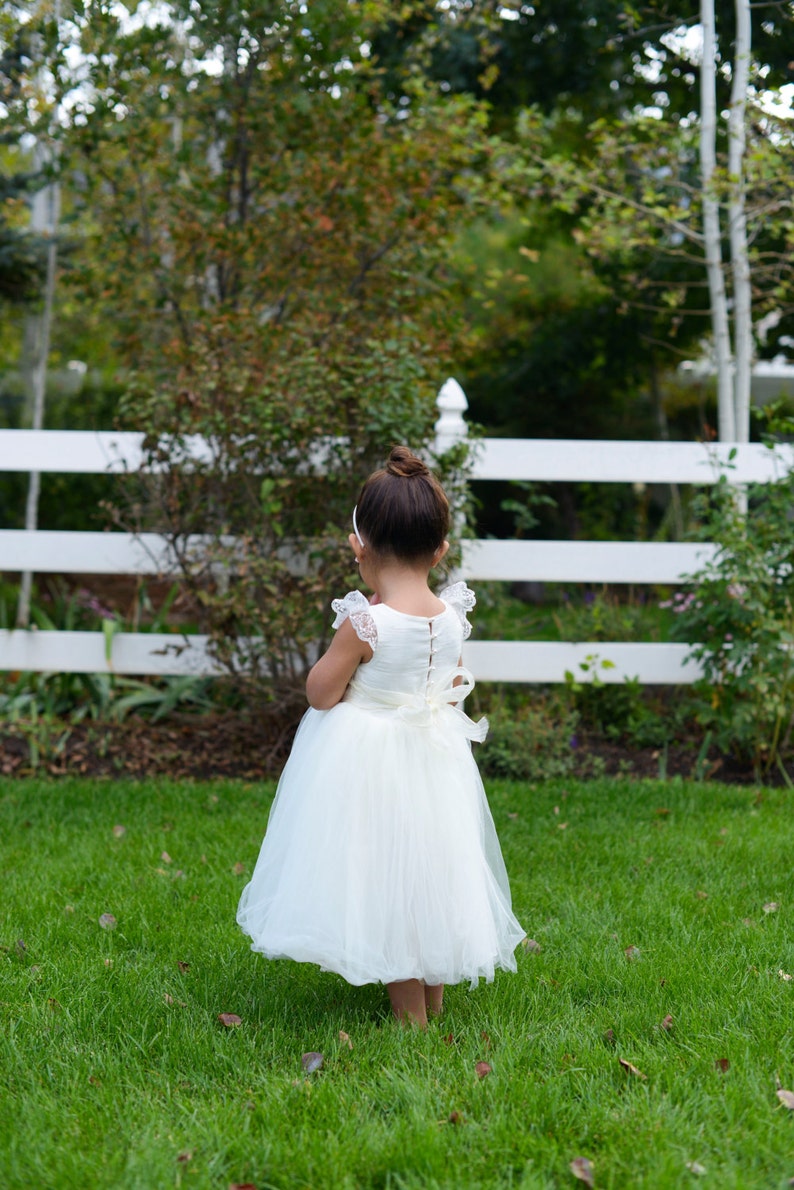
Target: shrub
[738,613]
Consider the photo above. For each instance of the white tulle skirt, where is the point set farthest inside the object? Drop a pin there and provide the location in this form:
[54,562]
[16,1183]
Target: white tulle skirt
[381,860]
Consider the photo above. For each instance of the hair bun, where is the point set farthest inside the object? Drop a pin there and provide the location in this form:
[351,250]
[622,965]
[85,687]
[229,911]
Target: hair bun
[405,463]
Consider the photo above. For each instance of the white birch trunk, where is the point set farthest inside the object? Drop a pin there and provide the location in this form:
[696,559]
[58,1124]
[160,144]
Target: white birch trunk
[711,226]
[742,299]
[45,219]
[46,214]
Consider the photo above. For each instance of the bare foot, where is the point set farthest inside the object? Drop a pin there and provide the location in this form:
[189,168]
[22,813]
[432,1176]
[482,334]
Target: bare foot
[434,999]
[407,998]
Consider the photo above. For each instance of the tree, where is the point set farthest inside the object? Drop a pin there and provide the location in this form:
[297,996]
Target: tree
[269,233]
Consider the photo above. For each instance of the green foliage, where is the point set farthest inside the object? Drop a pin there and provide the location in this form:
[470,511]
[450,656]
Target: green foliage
[272,241]
[43,707]
[738,612]
[534,741]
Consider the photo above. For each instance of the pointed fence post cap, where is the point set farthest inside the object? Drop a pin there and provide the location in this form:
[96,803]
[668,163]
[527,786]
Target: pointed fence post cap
[450,426]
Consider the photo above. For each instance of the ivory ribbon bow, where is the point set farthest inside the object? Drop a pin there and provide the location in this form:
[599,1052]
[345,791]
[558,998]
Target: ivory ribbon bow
[440,697]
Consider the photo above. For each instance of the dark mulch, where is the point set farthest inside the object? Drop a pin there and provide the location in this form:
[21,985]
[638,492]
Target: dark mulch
[255,747]
[219,745]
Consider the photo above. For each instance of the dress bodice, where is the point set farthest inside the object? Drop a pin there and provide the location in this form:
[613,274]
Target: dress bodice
[415,659]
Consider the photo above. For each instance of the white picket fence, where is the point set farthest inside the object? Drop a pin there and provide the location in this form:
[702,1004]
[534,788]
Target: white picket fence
[88,452]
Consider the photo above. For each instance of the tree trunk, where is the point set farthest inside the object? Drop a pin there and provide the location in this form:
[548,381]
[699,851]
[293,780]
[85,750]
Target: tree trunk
[742,307]
[45,220]
[711,226]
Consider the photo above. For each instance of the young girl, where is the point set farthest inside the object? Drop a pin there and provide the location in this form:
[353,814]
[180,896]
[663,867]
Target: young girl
[381,861]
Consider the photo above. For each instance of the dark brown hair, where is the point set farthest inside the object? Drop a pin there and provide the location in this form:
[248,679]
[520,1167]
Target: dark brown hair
[402,509]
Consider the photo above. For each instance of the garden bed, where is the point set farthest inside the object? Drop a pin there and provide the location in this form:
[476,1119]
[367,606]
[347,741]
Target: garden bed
[230,745]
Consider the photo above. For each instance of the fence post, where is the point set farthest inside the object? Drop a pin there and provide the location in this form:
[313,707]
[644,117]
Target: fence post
[450,427]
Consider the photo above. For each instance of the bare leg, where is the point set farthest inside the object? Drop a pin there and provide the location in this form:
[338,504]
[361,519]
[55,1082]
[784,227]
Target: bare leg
[408,1002]
[434,998]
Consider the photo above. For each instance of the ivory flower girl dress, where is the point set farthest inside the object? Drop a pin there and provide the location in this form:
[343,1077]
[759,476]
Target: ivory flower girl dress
[381,860]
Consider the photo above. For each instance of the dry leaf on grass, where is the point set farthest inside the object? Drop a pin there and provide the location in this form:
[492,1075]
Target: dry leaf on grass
[531,945]
[483,1069]
[784,976]
[186,1156]
[632,952]
[108,921]
[630,1068]
[786,1098]
[667,1023]
[229,1019]
[696,1168]
[582,1169]
[242,1186]
[345,1039]
[239,869]
[771,907]
[166,858]
[183,966]
[312,1062]
[455,1117]
[723,1064]
[119,831]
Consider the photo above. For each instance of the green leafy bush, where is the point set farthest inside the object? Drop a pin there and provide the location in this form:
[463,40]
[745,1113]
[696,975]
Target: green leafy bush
[534,742]
[738,613]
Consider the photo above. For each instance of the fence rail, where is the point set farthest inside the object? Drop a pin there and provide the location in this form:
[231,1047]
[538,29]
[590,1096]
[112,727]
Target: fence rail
[149,554]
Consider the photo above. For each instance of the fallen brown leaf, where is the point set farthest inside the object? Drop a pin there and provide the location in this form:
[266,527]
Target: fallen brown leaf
[483,1069]
[630,1068]
[311,1062]
[239,869]
[166,858]
[108,921]
[786,1098]
[667,1023]
[701,895]
[183,966]
[345,1039]
[242,1186]
[229,1019]
[786,977]
[771,907]
[696,1168]
[186,1156]
[455,1117]
[119,831]
[632,952]
[531,945]
[723,1064]
[582,1169]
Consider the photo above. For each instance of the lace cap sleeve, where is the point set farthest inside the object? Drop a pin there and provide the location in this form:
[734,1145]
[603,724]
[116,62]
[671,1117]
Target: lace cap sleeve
[356,607]
[461,598]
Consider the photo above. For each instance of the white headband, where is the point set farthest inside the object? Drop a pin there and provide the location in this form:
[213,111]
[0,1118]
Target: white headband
[355,530]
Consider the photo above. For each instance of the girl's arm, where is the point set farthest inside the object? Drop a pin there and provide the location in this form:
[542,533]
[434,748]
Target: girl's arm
[328,679]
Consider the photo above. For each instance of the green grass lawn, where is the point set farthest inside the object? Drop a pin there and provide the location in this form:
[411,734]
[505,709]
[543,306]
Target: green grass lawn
[115,1071]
